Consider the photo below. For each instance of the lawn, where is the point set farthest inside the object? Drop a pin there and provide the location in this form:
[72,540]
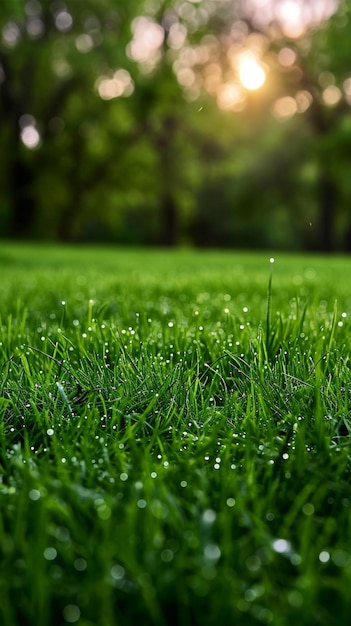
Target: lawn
[175,438]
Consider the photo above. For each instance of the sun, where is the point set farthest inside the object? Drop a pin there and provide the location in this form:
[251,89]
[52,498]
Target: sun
[251,73]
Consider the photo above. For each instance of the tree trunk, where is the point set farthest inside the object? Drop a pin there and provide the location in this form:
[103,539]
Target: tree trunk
[169,217]
[327,205]
[24,209]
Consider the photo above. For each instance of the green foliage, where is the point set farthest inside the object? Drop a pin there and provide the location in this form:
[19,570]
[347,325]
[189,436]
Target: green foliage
[174,442]
[162,164]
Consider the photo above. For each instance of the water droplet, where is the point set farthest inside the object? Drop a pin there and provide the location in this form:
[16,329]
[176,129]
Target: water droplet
[50,553]
[212,552]
[167,555]
[71,613]
[324,556]
[295,598]
[80,565]
[117,572]
[341,558]
[209,516]
[308,509]
[104,511]
[281,546]
[34,494]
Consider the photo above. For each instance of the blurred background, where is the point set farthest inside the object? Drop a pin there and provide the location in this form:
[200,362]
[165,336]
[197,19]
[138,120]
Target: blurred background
[220,123]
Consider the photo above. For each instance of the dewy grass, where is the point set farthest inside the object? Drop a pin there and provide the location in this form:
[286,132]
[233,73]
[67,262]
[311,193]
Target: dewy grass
[174,445]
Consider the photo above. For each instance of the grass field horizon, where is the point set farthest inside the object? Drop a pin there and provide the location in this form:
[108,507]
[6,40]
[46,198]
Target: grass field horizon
[175,437]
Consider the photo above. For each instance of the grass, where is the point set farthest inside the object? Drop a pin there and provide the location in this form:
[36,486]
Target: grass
[175,441]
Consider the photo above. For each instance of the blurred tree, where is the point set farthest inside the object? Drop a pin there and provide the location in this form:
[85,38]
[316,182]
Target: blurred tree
[318,78]
[50,57]
[306,60]
[109,130]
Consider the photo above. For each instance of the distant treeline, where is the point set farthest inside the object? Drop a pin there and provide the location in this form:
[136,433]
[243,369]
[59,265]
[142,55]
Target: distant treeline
[105,141]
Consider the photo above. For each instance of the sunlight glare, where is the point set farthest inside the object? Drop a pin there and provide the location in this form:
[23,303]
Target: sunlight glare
[285,107]
[121,85]
[331,95]
[294,17]
[286,57]
[230,98]
[291,17]
[251,73]
[145,46]
[30,137]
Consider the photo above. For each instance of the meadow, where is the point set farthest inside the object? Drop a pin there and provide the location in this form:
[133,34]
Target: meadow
[174,438]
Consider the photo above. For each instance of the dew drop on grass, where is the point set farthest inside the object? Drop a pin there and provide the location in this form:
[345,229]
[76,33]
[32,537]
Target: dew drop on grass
[308,509]
[295,598]
[212,552]
[250,595]
[230,502]
[71,613]
[104,512]
[324,556]
[209,516]
[117,572]
[282,546]
[167,555]
[50,553]
[34,494]
[341,558]
[295,559]
[80,565]
[253,563]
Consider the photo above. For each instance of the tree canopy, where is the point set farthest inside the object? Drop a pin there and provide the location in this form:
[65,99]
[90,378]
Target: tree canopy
[176,121]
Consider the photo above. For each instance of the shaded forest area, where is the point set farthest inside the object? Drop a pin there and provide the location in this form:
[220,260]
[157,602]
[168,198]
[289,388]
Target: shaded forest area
[140,122]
